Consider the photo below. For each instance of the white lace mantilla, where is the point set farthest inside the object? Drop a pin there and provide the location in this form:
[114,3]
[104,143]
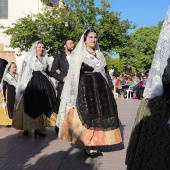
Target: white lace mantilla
[27,68]
[154,85]
[70,89]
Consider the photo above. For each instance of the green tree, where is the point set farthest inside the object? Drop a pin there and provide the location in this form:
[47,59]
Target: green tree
[49,26]
[54,24]
[141,47]
[118,65]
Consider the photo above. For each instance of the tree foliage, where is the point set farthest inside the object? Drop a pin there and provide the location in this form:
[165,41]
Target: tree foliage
[117,64]
[141,47]
[49,26]
[55,24]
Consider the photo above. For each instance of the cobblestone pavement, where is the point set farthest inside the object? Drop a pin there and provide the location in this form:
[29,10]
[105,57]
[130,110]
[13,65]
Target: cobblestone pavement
[50,153]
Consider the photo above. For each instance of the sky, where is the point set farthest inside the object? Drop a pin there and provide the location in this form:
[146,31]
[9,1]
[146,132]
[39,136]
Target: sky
[141,12]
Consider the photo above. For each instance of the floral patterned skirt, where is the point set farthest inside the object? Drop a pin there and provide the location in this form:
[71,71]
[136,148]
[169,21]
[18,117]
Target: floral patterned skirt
[73,130]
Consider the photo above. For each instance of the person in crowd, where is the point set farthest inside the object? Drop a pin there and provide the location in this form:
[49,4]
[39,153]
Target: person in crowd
[138,73]
[3,64]
[7,96]
[137,80]
[144,81]
[137,85]
[129,81]
[88,111]
[139,90]
[122,79]
[60,67]
[143,72]
[37,103]
[147,73]
[114,79]
[149,144]
[141,87]
[119,86]
[61,64]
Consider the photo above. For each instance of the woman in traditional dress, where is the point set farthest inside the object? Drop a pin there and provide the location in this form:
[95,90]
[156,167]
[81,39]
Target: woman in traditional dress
[149,144]
[88,111]
[37,104]
[3,64]
[8,86]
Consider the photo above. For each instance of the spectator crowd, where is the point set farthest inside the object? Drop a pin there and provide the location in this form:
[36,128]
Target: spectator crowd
[123,81]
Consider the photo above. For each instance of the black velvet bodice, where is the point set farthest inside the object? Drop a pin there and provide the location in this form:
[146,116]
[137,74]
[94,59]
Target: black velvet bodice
[96,105]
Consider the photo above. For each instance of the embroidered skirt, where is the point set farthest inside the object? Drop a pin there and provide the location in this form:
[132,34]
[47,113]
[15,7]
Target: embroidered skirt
[74,131]
[94,121]
[22,121]
[4,117]
[40,97]
[39,105]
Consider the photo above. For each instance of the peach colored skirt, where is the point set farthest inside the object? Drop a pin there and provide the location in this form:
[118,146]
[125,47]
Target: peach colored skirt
[22,121]
[4,118]
[74,131]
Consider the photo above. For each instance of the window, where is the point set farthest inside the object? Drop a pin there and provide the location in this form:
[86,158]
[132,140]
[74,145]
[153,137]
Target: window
[3,9]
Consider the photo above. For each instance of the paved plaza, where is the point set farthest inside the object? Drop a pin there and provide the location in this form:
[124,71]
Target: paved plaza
[18,152]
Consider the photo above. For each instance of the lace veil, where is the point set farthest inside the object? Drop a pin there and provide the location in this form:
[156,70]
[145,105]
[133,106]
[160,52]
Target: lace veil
[70,89]
[26,70]
[154,85]
[4,78]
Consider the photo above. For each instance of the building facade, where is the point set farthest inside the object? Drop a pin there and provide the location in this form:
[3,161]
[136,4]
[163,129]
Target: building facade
[10,12]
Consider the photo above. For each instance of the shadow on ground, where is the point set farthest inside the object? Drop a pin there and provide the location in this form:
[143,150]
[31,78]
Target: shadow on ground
[50,153]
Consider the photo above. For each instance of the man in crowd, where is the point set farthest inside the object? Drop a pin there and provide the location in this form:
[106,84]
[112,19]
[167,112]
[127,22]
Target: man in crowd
[60,65]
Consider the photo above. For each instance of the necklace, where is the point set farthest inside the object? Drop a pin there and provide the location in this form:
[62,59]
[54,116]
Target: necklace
[93,55]
[40,59]
[12,75]
[93,52]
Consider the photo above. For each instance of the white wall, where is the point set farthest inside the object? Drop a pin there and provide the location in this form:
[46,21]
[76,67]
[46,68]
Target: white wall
[18,9]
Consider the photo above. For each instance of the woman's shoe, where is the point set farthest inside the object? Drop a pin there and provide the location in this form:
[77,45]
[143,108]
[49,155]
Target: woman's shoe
[38,133]
[92,154]
[56,129]
[25,133]
[99,153]
[8,126]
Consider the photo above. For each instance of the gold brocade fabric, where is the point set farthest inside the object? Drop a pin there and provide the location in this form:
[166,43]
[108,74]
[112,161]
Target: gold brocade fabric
[74,131]
[4,118]
[22,121]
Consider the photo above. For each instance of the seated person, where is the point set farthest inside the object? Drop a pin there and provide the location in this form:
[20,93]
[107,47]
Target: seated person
[118,86]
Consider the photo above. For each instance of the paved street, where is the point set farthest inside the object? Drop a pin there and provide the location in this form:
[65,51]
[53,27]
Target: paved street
[50,153]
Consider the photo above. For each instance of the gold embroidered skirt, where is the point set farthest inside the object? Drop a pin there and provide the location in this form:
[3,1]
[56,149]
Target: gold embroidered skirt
[74,131]
[22,121]
[4,118]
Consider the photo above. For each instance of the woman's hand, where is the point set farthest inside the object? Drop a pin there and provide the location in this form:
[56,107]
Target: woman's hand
[58,71]
[64,79]
[87,71]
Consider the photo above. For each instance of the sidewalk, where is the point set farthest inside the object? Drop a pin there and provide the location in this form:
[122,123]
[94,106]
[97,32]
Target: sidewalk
[33,153]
